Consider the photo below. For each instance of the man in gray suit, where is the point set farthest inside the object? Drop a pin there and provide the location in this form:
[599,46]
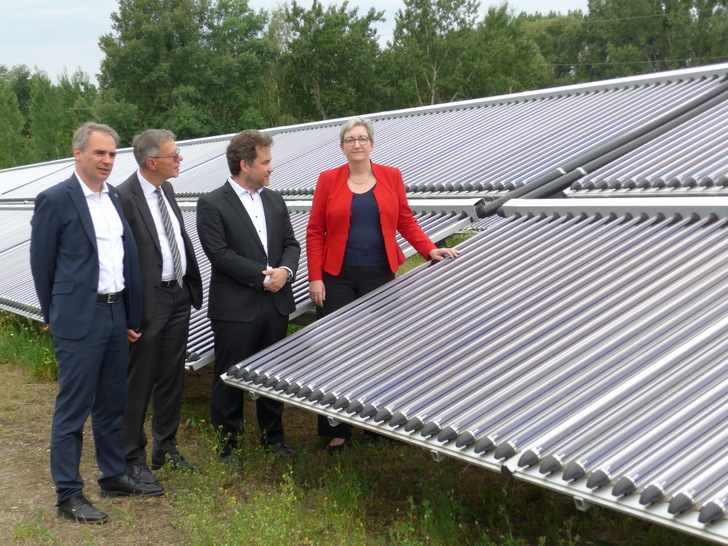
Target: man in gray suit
[246,232]
[170,280]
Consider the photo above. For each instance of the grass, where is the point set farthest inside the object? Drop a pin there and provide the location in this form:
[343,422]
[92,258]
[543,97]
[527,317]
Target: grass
[374,493]
[26,343]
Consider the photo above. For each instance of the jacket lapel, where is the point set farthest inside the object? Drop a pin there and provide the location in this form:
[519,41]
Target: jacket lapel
[235,203]
[142,205]
[79,201]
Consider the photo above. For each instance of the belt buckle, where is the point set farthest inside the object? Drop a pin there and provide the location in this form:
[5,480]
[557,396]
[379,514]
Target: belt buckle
[110,298]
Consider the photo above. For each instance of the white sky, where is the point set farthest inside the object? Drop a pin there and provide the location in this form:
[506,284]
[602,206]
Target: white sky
[52,36]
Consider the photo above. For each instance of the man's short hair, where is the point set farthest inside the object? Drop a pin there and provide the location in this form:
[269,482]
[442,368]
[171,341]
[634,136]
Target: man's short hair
[147,144]
[80,137]
[243,147]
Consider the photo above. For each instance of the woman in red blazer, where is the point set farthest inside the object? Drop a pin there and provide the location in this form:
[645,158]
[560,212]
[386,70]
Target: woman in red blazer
[350,240]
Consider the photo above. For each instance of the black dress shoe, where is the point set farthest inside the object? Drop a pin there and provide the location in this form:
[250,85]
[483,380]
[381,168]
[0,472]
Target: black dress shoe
[233,462]
[141,473]
[128,486]
[170,460]
[282,450]
[80,509]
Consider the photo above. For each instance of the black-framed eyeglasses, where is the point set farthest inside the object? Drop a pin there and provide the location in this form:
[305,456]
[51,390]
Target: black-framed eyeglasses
[175,157]
[363,141]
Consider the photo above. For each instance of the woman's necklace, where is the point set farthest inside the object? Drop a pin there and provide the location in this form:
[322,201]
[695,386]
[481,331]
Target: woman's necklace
[362,182]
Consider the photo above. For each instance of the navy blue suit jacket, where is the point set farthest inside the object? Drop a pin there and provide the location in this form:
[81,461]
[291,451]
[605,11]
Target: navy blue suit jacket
[64,260]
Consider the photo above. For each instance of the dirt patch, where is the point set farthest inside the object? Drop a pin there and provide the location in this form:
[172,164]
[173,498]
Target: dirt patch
[27,503]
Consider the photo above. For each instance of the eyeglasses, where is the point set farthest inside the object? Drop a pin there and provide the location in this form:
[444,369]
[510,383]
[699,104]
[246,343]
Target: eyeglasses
[176,157]
[363,141]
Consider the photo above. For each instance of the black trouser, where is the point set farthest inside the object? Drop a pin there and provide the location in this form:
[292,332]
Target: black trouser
[352,283]
[156,372]
[234,342]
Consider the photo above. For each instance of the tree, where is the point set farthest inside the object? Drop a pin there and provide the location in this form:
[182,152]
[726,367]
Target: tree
[330,61]
[12,144]
[638,36]
[560,39]
[271,97]
[56,111]
[433,45]
[507,59]
[187,65]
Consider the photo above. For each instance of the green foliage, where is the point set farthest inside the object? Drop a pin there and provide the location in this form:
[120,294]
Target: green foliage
[625,37]
[33,531]
[329,61]
[508,59]
[191,66]
[434,48]
[55,111]
[25,342]
[561,40]
[210,67]
[12,124]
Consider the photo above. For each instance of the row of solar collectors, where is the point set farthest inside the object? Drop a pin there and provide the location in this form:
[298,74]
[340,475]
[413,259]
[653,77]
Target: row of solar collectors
[487,146]
[588,347]
[17,293]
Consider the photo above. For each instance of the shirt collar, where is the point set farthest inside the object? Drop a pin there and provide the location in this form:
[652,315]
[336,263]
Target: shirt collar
[147,187]
[240,191]
[86,190]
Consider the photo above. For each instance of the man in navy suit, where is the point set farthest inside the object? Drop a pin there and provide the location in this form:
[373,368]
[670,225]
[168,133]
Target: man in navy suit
[246,232]
[171,284]
[86,273]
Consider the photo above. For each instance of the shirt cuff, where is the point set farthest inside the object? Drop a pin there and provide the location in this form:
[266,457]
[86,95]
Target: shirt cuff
[290,273]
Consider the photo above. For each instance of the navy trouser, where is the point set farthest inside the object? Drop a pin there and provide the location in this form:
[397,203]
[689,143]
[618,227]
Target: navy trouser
[91,380]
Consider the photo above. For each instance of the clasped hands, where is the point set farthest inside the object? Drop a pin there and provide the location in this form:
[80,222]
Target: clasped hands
[278,279]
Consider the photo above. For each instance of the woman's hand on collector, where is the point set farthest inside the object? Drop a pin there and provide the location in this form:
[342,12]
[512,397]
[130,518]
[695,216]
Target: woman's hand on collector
[439,254]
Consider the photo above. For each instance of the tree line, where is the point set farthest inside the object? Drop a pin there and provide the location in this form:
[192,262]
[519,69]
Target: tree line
[210,67]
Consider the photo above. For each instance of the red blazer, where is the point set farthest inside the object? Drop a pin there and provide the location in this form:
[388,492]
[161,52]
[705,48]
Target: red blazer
[328,224]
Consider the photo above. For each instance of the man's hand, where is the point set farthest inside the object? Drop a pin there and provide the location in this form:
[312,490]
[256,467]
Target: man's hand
[278,278]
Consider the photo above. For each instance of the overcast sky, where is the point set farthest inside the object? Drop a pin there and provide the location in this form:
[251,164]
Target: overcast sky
[52,35]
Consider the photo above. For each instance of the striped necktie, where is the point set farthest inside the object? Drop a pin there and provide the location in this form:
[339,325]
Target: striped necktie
[170,235]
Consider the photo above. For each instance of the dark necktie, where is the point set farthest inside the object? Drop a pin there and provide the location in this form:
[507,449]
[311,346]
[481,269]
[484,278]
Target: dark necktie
[170,235]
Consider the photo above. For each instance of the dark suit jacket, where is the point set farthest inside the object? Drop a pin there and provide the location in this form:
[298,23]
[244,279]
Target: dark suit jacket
[142,224]
[236,254]
[65,264]
[328,224]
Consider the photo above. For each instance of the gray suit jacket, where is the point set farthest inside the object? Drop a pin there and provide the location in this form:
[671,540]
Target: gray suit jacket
[142,225]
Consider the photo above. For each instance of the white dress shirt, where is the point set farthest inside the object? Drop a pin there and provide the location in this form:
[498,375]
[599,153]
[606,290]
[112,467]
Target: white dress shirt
[109,238]
[254,206]
[167,260]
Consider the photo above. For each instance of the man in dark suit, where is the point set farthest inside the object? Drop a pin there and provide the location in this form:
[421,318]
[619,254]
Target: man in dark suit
[171,283]
[86,273]
[246,232]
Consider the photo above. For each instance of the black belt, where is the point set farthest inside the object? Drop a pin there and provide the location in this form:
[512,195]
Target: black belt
[169,284]
[109,298]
